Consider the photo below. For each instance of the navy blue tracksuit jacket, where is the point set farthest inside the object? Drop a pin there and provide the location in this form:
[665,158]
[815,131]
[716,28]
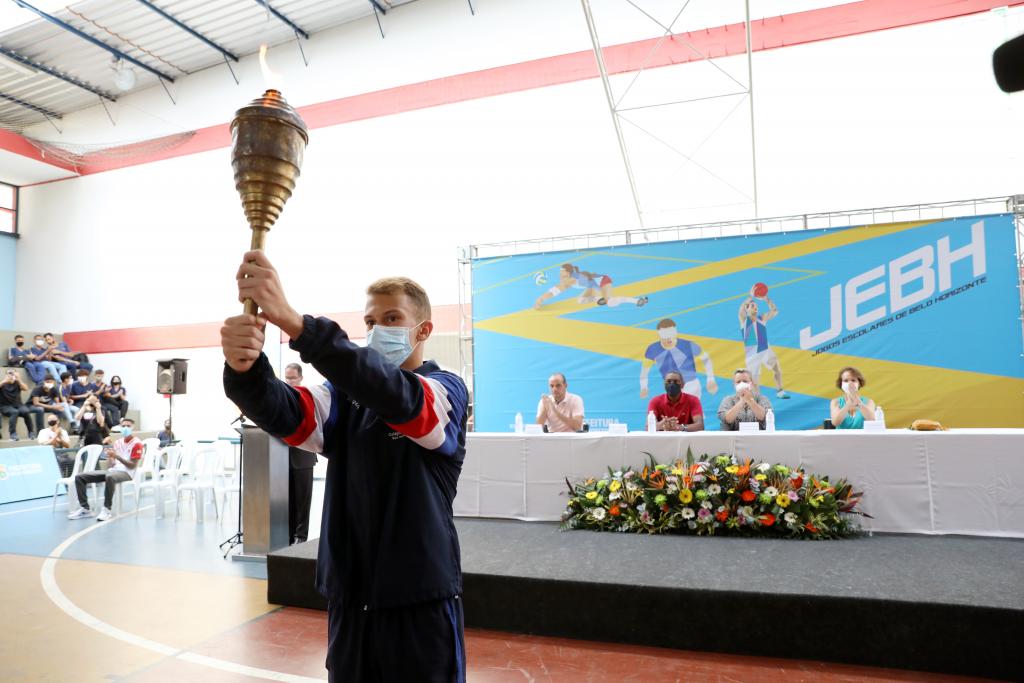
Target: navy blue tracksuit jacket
[395,441]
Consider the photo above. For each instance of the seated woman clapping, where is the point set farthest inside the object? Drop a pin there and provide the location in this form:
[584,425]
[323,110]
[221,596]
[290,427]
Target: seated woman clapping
[850,410]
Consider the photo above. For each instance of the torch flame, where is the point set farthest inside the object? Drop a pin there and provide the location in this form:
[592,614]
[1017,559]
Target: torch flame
[271,78]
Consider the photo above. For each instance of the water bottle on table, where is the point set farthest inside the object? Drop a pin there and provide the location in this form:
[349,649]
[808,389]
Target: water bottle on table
[880,416]
[519,423]
[769,420]
[652,422]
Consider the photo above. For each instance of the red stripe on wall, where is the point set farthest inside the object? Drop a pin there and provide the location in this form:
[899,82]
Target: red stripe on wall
[200,335]
[12,142]
[783,31]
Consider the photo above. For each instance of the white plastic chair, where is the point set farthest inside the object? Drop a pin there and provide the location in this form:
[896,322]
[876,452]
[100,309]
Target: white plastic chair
[166,478]
[230,479]
[203,478]
[139,475]
[85,461]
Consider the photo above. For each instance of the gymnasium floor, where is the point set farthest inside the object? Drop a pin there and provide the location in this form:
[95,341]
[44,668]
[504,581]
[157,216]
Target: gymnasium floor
[141,598]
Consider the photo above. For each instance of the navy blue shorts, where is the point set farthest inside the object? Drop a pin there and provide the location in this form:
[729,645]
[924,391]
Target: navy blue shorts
[421,642]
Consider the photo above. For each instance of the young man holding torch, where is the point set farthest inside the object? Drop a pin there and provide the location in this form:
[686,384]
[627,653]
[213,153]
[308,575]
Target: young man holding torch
[393,429]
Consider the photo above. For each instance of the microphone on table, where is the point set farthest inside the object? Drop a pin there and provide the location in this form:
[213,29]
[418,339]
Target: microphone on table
[1008,65]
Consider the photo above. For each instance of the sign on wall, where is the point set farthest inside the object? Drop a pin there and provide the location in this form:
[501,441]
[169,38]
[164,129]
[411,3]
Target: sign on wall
[928,311]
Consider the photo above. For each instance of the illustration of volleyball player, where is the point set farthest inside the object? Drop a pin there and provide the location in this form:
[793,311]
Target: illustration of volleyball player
[755,337]
[597,288]
[672,353]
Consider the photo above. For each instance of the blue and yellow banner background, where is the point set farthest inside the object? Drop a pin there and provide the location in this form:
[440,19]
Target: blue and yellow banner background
[929,311]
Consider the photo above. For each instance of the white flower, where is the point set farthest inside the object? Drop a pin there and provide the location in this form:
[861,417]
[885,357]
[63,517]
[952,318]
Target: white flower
[789,517]
[632,487]
[714,489]
[772,491]
[763,467]
[672,488]
[706,505]
[615,495]
[692,524]
[688,513]
[617,475]
[598,513]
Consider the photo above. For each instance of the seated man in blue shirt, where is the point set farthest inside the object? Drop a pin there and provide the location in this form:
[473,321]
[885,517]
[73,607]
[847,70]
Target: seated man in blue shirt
[82,388]
[40,362]
[393,429]
[61,353]
[17,354]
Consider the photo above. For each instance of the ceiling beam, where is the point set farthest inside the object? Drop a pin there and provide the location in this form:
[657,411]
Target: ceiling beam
[50,71]
[95,41]
[281,17]
[188,29]
[28,105]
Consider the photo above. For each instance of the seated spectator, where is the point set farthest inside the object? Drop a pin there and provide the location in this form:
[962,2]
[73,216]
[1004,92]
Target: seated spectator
[47,397]
[167,435]
[677,411]
[125,455]
[39,363]
[17,354]
[560,411]
[81,389]
[851,409]
[65,396]
[114,399]
[93,428]
[101,388]
[54,435]
[60,353]
[746,405]
[12,406]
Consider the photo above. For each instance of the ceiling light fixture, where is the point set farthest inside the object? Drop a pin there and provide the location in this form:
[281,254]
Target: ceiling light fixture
[124,75]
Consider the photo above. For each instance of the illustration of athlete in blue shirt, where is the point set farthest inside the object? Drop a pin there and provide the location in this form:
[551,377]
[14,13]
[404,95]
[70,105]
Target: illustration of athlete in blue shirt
[754,331]
[673,353]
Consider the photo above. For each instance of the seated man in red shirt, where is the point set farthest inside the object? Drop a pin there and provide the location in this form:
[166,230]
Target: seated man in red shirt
[676,411]
[124,456]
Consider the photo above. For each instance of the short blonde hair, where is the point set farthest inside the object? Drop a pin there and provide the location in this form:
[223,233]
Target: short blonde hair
[403,285]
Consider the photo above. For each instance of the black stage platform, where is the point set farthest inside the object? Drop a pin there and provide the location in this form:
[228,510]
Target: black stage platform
[948,604]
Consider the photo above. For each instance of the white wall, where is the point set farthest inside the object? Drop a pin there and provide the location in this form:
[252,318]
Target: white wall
[901,116]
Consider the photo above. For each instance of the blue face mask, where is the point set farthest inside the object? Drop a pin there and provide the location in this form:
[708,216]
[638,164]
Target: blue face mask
[391,342]
[126,432]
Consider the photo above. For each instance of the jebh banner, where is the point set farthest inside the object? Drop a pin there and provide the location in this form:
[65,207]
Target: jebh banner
[928,311]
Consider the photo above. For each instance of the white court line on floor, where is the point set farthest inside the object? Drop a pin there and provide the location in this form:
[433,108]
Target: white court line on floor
[49,581]
[40,507]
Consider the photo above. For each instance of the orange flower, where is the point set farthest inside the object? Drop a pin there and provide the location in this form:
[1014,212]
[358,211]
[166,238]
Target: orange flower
[614,511]
[798,482]
[665,507]
[810,527]
[744,469]
[722,515]
[767,519]
[646,472]
[748,496]
[657,480]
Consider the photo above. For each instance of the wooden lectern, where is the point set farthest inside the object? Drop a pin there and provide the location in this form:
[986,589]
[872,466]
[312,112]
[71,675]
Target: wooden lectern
[264,494]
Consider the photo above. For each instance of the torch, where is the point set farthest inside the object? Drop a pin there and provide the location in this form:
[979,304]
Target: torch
[268,138]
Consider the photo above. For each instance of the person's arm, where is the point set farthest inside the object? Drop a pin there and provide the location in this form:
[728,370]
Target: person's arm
[868,410]
[574,421]
[645,370]
[24,387]
[61,439]
[75,397]
[837,414]
[709,372]
[542,410]
[132,462]
[729,417]
[553,292]
[772,310]
[411,403]
[697,417]
[742,314]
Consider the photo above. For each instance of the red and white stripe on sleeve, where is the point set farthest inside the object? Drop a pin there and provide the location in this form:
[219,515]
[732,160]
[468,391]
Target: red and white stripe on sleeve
[428,427]
[315,404]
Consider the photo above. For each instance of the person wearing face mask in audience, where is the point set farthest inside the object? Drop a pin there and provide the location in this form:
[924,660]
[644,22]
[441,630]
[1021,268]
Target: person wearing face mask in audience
[17,354]
[166,436]
[12,407]
[60,352]
[66,396]
[39,363]
[675,410]
[393,429]
[850,410]
[124,455]
[92,423]
[48,397]
[746,405]
[114,401]
[54,435]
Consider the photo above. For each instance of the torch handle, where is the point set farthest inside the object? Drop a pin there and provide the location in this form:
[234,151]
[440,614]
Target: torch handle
[259,240]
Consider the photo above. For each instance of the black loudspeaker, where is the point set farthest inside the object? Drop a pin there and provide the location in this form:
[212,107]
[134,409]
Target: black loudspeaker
[172,376]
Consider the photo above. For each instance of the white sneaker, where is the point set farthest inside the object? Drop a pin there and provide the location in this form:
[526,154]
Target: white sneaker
[80,513]
[781,393]
[104,515]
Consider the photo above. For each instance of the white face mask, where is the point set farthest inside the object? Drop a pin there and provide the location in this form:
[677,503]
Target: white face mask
[667,333]
[83,380]
[848,386]
[40,343]
[741,386]
[48,386]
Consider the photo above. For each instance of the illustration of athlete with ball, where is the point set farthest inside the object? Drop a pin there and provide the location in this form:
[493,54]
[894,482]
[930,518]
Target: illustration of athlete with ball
[755,336]
[597,288]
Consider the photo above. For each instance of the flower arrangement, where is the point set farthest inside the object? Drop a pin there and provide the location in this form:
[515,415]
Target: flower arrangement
[714,495]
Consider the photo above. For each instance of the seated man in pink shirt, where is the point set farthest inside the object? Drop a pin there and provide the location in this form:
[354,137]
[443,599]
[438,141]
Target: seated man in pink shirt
[560,410]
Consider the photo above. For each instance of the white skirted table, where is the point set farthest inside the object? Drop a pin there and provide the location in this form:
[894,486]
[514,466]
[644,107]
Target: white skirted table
[965,481]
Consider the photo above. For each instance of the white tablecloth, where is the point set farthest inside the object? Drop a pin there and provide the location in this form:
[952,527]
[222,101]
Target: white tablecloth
[967,481]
